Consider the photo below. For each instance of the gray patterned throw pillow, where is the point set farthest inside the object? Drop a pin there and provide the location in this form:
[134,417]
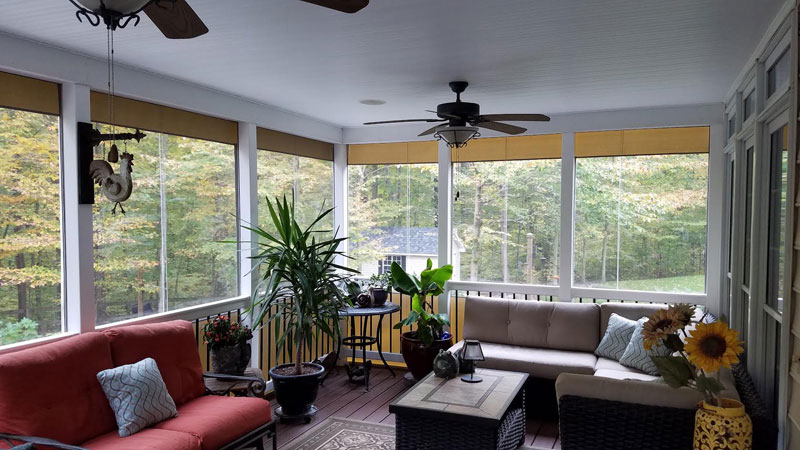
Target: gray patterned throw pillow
[617,337]
[138,395]
[637,357]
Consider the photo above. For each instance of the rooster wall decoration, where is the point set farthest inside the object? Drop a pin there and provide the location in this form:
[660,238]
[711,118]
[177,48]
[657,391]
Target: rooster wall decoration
[117,187]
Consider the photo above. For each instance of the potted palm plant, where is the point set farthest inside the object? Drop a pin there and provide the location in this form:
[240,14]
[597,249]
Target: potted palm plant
[420,347]
[298,294]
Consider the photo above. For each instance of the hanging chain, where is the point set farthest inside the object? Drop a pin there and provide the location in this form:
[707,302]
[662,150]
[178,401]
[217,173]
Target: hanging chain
[111,82]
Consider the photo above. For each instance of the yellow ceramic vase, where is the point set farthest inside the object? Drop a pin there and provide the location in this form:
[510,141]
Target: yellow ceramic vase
[725,427]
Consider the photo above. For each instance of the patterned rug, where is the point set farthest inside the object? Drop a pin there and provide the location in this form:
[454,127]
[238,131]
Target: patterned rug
[344,434]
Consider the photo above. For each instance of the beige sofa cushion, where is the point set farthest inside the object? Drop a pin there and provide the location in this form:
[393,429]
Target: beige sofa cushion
[610,364]
[624,375]
[529,323]
[538,362]
[635,391]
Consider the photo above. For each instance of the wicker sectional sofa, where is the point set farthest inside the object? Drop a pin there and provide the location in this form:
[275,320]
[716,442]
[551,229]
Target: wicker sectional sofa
[555,342]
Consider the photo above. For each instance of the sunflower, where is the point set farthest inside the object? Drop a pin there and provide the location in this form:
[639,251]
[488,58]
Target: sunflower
[684,311]
[660,325]
[713,345]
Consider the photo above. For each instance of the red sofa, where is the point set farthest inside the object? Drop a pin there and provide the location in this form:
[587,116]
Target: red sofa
[51,391]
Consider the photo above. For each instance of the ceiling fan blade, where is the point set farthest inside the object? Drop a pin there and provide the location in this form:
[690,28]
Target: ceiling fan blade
[345,6]
[516,117]
[430,131]
[176,19]
[501,127]
[403,121]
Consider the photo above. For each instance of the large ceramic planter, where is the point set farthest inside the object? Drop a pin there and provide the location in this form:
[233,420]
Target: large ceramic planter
[418,358]
[231,360]
[296,393]
[725,427]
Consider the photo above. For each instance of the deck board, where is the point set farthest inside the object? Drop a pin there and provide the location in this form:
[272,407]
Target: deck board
[340,398]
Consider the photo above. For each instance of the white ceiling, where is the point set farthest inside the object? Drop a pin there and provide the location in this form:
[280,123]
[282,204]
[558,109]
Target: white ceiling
[548,56]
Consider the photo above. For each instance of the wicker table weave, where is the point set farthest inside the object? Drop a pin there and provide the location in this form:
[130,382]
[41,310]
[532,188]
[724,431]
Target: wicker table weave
[444,414]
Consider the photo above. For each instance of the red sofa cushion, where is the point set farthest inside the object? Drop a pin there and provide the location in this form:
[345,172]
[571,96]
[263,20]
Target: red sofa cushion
[147,439]
[52,390]
[172,345]
[219,420]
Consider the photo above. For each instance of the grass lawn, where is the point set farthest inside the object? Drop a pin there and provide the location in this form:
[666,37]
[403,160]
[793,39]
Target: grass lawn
[690,284]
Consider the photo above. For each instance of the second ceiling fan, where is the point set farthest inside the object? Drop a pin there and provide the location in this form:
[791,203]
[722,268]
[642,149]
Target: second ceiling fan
[459,114]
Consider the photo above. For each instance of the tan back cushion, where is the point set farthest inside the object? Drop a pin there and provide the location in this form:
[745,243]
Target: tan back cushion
[529,323]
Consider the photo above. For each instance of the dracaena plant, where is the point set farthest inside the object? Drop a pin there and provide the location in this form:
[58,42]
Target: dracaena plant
[298,291]
[430,283]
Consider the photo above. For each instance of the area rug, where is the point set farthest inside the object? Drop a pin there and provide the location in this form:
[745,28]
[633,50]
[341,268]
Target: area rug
[344,434]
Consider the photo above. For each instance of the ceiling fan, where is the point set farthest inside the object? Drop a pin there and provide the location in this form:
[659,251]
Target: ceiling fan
[175,18]
[458,114]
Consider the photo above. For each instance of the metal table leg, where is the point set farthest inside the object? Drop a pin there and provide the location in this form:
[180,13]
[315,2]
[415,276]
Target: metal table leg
[380,341]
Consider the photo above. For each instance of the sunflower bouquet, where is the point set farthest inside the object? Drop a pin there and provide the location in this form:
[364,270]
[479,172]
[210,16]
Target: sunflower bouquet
[697,355]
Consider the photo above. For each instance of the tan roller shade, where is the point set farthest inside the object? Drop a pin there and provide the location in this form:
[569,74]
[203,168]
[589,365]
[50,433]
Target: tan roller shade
[276,141]
[652,141]
[29,94]
[149,116]
[394,153]
[544,146]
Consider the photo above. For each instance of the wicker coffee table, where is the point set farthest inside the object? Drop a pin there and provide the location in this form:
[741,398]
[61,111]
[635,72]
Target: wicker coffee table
[440,413]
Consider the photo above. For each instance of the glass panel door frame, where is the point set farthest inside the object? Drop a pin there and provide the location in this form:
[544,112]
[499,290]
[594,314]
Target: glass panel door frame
[765,324]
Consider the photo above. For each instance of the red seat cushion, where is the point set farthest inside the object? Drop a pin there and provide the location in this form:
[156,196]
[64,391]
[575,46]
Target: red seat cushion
[219,420]
[147,439]
[172,345]
[52,390]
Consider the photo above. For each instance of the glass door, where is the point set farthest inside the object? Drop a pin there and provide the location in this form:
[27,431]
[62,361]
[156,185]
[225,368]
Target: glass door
[772,307]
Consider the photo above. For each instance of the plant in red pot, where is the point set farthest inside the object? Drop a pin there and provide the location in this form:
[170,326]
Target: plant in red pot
[230,352]
[420,347]
[299,295]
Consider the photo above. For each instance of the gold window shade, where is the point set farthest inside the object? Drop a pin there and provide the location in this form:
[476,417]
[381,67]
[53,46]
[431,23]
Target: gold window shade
[276,141]
[163,119]
[653,141]
[29,94]
[394,153]
[544,146]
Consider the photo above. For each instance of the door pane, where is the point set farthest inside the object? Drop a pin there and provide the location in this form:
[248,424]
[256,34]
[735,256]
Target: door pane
[748,213]
[779,166]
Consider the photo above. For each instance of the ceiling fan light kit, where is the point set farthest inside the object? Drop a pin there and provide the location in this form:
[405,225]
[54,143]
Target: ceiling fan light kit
[456,137]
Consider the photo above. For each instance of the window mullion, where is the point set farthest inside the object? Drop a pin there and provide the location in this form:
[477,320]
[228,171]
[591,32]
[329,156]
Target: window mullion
[567,216]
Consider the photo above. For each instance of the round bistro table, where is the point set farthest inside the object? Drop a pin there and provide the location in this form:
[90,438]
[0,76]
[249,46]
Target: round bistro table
[360,372]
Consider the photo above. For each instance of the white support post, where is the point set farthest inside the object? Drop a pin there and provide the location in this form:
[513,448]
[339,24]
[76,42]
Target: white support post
[78,254]
[340,197]
[445,222]
[567,215]
[715,260]
[247,170]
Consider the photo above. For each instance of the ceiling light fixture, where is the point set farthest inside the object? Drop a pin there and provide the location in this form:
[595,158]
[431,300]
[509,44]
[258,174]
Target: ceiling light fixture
[456,137]
[113,13]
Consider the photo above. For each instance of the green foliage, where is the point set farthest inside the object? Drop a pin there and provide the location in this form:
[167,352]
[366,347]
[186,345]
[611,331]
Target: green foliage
[383,280]
[429,284]
[221,332]
[676,370]
[24,330]
[299,289]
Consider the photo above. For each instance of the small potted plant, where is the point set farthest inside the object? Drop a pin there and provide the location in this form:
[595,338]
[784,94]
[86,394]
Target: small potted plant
[230,351]
[698,355]
[420,347]
[379,287]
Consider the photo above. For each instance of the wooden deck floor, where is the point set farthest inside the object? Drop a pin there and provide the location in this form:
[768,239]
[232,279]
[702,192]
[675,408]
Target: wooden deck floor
[340,398]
